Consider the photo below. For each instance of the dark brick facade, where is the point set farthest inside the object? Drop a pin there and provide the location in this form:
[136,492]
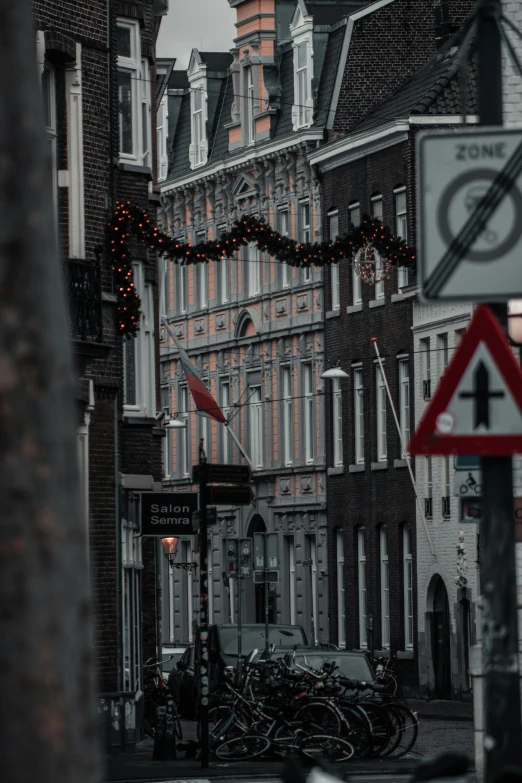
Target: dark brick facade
[116,445]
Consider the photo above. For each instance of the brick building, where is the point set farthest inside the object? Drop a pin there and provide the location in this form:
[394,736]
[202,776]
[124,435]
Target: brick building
[370,170]
[96,60]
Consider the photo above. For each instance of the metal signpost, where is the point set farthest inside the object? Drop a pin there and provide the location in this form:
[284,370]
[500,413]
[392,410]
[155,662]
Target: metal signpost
[206,474]
[266,569]
[470,243]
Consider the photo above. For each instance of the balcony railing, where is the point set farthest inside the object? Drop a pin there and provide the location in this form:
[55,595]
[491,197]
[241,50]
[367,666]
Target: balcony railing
[83,291]
[428,508]
[426,389]
[446,507]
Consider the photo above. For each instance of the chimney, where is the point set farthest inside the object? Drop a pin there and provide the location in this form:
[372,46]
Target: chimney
[444,29]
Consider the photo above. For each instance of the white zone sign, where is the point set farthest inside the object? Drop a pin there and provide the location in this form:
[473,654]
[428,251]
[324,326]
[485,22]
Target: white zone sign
[469,208]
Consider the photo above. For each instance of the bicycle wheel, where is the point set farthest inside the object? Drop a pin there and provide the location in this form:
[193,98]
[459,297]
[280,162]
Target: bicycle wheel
[326,746]
[318,715]
[406,726]
[380,726]
[357,730]
[247,746]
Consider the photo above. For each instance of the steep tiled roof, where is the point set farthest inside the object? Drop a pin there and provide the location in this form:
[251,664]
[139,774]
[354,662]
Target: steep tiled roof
[178,80]
[283,126]
[329,13]
[433,89]
[329,73]
[217,61]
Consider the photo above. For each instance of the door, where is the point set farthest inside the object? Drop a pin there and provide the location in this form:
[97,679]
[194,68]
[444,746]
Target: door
[440,636]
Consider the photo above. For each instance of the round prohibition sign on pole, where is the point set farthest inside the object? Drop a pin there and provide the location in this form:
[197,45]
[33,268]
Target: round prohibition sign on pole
[444,208]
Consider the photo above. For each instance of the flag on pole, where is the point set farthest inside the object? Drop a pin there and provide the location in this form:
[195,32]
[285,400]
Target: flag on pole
[203,400]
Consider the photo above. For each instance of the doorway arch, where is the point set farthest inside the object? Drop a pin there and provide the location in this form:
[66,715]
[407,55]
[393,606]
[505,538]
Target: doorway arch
[441,638]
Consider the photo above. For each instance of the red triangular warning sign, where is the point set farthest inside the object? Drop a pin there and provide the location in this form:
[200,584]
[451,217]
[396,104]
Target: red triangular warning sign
[477,407]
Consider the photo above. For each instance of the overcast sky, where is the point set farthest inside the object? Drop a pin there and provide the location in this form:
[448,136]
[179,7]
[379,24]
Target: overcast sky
[207,25]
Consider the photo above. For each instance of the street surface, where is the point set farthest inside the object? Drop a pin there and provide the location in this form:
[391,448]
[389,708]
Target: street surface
[436,735]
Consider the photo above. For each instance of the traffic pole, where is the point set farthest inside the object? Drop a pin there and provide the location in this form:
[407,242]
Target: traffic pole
[502,724]
[203,613]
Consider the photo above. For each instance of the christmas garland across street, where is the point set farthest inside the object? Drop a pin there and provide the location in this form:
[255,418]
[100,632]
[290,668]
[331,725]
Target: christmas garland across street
[130,221]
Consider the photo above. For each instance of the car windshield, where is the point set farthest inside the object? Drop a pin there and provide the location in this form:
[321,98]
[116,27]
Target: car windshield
[354,667]
[167,664]
[255,638]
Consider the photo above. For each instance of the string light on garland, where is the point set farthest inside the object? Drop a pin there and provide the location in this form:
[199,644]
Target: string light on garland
[131,221]
[370,266]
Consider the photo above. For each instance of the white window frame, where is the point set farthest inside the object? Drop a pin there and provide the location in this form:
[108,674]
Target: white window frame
[428,483]
[333,232]
[284,229]
[201,274]
[305,234]
[301,30]
[288,415]
[51,131]
[164,285]
[401,230]
[255,403]
[250,99]
[341,608]
[361,588]
[132,565]
[446,477]
[354,219]
[253,269]
[385,588]
[139,71]
[197,76]
[358,408]
[309,418]
[162,124]
[337,421]
[376,205]
[425,358]
[407,571]
[404,401]
[167,440]
[224,280]
[443,351]
[381,415]
[144,355]
[182,287]
[313,558]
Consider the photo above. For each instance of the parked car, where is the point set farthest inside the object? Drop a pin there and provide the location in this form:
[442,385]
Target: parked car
[170,655]
[182,684]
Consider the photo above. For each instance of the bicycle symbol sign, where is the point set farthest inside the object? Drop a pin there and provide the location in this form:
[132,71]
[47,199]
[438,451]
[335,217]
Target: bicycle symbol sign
[470,486]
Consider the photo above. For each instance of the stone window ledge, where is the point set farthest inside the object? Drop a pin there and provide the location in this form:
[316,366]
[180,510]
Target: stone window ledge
[377,303]
[379,466]
[405,655]
[333,313]
[337,471]
[400,463]
[381,653]
[357,468]
[400,296]
[355,308]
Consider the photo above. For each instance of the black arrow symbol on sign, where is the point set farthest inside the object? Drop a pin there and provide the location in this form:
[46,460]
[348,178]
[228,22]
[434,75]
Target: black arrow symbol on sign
[482,395]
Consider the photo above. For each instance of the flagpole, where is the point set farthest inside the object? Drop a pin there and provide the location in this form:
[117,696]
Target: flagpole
[403,445]
[238,443]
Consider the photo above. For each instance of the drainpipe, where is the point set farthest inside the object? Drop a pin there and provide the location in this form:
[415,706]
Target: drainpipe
[119,630]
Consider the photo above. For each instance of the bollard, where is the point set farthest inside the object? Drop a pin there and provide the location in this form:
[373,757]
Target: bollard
[165,736]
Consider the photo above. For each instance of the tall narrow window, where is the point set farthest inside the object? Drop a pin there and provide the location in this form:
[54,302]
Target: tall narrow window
[446,494]
[225,408]
[133,95]
[284,230]
[354,219]
[442,352]
[358,408]
[138,355]
[201,272]
[312,545]
[253,269]
[408,588]
[401,230]
[161,139]
[146,114]
[305,235]
[376,203]
[250,98]
[424,347]
[333,221]
[309,402]
[290,548]
[224,271]
[385,589]
[288,415]
[382,447]
[337,420]
[302,84]
[49,102]
[256,426]
[428,487]
[341,609]
[361,578]
[404,401]
[167,440]
[197,126]
[164,287]
[184,434]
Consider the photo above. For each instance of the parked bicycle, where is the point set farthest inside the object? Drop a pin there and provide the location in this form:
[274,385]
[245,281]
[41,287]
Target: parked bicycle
[156,694]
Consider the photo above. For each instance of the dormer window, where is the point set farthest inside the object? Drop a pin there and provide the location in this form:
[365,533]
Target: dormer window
[197,74]
[301,30]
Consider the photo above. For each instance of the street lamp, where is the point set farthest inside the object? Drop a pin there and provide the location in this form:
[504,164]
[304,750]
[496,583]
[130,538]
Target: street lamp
[334,372]
[174,424]
[170,546]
